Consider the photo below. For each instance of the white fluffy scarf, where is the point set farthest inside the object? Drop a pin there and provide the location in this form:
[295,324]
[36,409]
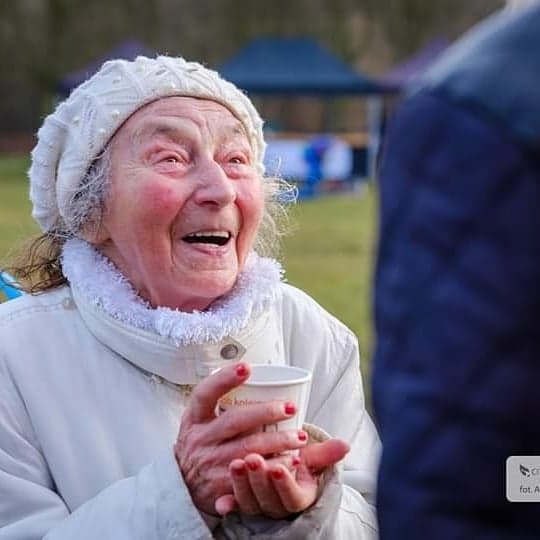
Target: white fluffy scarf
[101,283]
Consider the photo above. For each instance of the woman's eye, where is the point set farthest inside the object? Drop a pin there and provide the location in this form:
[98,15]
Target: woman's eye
[169,162]
[168,159]
[237,160]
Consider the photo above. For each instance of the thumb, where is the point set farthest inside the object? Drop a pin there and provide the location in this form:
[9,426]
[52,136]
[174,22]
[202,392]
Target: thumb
[318,456]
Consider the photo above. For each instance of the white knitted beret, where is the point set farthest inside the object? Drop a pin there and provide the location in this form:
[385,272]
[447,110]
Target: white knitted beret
[73,136]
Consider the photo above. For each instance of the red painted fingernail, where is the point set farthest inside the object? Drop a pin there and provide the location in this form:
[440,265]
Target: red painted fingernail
[290,408]
[241,370]
[277,474]
[296,461]
[253,465]
[239,470]
[302,435]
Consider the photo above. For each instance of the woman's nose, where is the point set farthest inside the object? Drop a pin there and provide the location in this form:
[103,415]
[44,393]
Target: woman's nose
[214,186]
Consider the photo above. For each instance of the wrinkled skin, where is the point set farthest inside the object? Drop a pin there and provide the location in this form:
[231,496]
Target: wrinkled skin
[181,167]
[223,460]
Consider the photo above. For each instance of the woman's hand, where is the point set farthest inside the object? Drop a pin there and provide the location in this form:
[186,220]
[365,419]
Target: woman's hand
[270,489]
[207,444]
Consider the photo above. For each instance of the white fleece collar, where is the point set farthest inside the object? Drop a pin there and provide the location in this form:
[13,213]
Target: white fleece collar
[101,284]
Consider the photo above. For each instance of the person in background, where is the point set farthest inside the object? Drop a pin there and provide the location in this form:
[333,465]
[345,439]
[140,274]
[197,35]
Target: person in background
[314,153]
[150,298]
[457,368]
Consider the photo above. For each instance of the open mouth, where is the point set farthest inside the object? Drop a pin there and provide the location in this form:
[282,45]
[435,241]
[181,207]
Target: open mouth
[217,238]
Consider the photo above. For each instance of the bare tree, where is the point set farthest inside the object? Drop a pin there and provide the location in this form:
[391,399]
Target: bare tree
[42,39]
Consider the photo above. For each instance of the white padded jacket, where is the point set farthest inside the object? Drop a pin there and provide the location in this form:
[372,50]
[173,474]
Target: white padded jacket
[90,408]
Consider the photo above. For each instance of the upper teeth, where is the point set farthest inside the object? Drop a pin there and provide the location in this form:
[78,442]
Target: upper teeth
[223,234]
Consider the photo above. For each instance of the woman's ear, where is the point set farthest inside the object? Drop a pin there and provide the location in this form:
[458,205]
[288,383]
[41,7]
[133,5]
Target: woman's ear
[95,231]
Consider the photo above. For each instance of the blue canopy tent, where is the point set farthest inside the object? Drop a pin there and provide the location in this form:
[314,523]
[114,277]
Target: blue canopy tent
[128,50]
[296,66]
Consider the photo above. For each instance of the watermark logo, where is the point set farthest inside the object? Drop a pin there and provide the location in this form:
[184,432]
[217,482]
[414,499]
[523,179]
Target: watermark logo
[523,478]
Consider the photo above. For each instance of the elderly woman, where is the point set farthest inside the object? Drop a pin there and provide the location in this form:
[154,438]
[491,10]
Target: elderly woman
[148,185]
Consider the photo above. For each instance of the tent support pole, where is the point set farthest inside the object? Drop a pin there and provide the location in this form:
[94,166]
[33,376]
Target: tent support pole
[374,114]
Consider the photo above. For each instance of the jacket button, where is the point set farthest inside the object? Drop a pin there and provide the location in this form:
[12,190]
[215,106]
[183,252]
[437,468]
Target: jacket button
[229,352]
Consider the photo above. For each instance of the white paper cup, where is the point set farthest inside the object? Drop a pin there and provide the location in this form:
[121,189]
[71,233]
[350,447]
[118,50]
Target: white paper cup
[270,382]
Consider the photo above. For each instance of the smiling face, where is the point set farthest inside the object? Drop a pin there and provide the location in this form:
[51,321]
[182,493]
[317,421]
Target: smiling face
[185,202]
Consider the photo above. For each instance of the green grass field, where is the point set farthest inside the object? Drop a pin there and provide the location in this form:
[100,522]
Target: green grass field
[329,254]
[16,223]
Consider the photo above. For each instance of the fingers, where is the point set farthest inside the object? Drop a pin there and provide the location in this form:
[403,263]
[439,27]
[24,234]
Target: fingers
[243,494]
[289,460]
[268,445]
[262,416]
[318,456]
[253,417]
[294,497]
[225,504]
[263,487]
[253,489]
[282,485]
[206,394]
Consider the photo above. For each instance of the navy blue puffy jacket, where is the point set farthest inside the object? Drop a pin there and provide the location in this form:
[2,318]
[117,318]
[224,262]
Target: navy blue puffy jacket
[456,382]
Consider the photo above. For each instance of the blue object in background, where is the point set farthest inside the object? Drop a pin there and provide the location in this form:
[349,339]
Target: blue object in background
[314,156]
[6,282]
